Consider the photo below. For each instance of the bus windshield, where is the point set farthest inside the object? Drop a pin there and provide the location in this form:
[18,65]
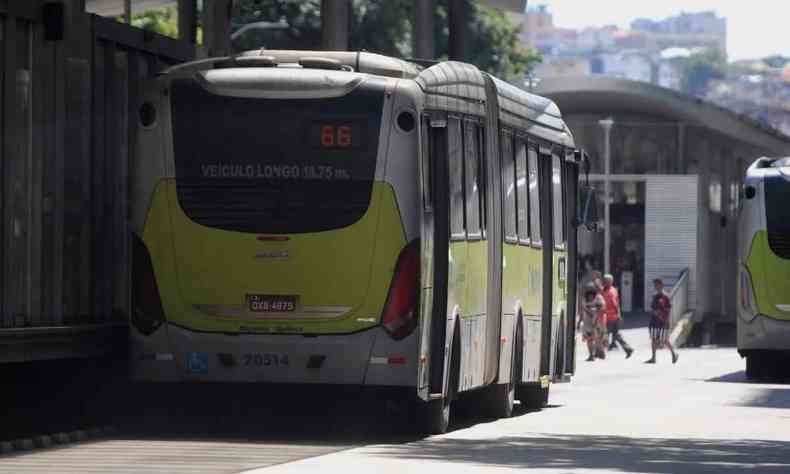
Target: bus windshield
[777,215]
[274,165]
[777,195]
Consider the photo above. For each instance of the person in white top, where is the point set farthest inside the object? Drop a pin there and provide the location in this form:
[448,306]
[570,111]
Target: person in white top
[592,322]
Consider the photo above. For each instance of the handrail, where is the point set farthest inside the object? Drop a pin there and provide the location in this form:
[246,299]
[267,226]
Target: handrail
[678,298]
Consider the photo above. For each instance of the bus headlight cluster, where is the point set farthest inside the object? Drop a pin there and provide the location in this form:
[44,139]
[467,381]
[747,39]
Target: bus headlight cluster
[746,294]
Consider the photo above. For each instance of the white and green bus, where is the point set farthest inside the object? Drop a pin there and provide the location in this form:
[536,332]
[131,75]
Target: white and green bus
[764,276]
[349,218]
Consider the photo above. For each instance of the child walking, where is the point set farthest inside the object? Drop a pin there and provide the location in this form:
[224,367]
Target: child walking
[659,322]
[593,322]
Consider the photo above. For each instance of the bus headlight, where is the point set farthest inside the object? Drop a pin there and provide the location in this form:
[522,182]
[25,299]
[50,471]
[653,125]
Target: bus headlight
[746,294]
[147,312]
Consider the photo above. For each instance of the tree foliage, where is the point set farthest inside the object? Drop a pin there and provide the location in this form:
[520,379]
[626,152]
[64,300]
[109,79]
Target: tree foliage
[700,68]
[301,20]
[496,46]
[159,20]
[381,26]
[384,26]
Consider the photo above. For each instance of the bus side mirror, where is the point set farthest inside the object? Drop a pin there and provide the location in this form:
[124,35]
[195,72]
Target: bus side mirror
[590,204]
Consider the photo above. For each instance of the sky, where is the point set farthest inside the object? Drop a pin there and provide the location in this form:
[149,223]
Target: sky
[755,28]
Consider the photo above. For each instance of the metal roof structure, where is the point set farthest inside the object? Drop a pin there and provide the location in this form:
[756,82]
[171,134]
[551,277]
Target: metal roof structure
[596,93]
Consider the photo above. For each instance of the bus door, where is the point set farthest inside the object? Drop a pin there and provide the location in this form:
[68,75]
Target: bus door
[546,225]
[560,262]
[571,176]
[435,246]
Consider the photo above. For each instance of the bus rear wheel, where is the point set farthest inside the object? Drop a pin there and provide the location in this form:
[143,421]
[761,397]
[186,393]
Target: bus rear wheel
[758,367]
[500,398]
[533,396]
[436,414]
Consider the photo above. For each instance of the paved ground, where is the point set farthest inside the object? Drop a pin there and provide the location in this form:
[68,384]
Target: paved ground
[699,416]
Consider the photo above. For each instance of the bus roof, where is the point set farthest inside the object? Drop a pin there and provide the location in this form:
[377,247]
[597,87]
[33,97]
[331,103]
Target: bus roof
[765,166]
[448,85]
[461,87]
[362,62]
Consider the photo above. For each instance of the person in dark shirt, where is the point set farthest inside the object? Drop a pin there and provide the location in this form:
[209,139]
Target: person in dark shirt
[659,322]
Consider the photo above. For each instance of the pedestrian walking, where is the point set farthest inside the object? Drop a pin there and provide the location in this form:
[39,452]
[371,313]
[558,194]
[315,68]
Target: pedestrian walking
[659,322]
[591,322]
[614,317]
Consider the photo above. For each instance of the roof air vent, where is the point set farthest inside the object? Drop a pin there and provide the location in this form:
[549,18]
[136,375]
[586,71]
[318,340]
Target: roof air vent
[247,61]
[324,63]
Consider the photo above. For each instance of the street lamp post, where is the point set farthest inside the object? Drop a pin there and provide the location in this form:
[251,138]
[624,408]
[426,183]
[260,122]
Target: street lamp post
[607,124]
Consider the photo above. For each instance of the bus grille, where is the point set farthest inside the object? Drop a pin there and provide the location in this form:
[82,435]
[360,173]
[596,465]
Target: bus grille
[780,243]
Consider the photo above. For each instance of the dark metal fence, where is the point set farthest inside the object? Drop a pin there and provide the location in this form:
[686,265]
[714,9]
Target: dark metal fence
[66,137]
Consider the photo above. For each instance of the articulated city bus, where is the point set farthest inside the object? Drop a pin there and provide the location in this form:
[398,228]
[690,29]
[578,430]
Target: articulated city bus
[764,275]
[349,218]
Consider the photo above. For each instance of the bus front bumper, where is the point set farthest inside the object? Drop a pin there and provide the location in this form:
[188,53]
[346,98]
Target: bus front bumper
[763,333]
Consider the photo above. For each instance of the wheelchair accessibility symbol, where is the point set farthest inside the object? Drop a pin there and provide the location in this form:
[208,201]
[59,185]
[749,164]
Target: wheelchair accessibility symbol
[197,362]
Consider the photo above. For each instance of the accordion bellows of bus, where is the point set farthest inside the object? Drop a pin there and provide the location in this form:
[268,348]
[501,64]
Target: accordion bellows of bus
[350,218]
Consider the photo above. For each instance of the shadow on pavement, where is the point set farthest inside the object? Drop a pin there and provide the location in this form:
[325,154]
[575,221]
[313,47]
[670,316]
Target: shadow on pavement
[760,396]
[740,377]
[767,398]
[345,418]
[264,414]
[611,453]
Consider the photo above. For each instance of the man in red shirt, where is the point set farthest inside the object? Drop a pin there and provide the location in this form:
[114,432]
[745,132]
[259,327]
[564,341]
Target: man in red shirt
[614,318]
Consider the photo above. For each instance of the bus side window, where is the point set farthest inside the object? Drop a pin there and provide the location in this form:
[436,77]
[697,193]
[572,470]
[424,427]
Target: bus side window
[558,200]
[456,163]
[509,187]
[427,152]
[471,159]
[534,197]
[522,201]
[482,174]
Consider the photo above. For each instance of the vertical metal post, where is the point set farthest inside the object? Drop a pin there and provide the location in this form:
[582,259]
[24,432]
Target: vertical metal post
[680,167]
[216,27]
[424,44]
[606,124]
[458,22]
[187,20]
[127,11]
[334,24]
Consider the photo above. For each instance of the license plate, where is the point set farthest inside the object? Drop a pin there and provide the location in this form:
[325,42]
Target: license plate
[272,303]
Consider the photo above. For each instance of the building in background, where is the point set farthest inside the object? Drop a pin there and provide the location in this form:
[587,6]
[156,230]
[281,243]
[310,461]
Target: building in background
[704,29]
[650,51]
[676,168]
[756,89]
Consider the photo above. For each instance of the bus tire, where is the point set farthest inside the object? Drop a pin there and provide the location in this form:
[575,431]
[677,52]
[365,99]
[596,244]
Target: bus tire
[533,396]
[500,398]
[437,412]
[561,348]
[437,416]
[756,367]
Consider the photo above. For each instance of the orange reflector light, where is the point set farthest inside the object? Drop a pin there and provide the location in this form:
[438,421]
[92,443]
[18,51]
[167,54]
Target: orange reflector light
[273,238]
[398,360]
[423,359]
[504,339]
